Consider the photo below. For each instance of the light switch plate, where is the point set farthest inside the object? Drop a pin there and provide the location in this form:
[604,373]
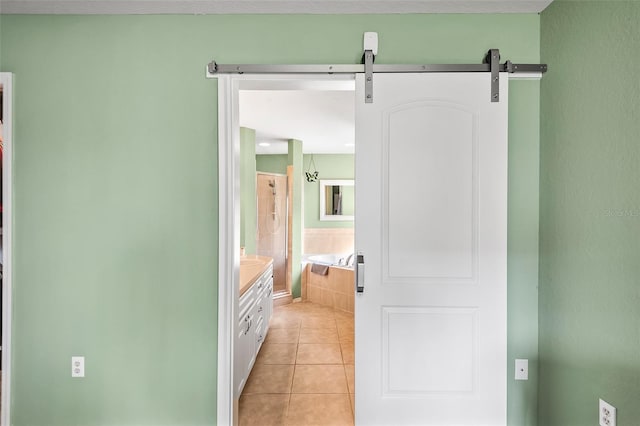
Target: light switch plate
[522,369]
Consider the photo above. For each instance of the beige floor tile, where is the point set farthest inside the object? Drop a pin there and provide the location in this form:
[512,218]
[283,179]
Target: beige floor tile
[346,333]
[277,353]
[315,308]
[319,410]
[319,379]
[263,410]
[318,335]
[351,377]
[282,335]
[265,378]
[341,315]
[319,353]
[284,320]
[317,321]
[347,352]
[322,390]
[327,313]
[306,307]
[343,320]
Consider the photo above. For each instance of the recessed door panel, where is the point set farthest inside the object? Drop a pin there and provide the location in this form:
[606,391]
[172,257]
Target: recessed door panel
[442,364]
[429,171]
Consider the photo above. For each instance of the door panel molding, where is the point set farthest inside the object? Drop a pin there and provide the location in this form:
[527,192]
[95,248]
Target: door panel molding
[408,156]
[412,368]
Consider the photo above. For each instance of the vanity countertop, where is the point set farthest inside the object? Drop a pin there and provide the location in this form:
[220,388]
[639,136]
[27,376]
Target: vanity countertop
[251,267]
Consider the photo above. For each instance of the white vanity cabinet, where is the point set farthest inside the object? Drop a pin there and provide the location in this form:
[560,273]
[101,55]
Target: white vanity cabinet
[264,306]
[255,308]
[245,341]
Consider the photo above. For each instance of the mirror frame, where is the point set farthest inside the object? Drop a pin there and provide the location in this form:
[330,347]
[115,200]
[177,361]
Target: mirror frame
[323,185]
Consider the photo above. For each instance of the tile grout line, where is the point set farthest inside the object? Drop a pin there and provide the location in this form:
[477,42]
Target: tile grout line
[293,376]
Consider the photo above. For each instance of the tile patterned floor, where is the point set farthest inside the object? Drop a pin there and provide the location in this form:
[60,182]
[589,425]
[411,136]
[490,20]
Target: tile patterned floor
[304,373]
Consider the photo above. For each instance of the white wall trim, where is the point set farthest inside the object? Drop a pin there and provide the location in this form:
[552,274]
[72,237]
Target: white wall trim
[157,7]
[229,239]
[534,75]
[6,79]
[229,87]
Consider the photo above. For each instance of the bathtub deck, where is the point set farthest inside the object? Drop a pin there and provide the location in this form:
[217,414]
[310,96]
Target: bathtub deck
[334,290]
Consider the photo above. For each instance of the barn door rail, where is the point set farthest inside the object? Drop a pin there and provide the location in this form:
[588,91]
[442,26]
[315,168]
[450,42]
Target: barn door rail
[491,64]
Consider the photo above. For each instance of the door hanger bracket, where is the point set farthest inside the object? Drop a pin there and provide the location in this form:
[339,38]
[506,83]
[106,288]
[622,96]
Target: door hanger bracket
[493,59]
[368,59]
[370,48]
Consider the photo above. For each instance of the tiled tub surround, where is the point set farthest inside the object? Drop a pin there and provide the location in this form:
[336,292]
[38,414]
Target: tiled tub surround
[328,240]
[334,290]
[304,373]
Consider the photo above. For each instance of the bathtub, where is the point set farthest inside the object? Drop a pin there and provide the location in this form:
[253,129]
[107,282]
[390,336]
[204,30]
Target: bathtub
[335,288]
[342,260]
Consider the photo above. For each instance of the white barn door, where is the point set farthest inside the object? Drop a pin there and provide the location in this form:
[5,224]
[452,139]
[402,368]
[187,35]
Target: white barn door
[431,223]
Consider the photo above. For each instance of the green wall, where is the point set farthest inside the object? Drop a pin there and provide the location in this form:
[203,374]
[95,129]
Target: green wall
[294,159]
[116,213]
[273,163]
[330,166]
[590,213]
[248,198]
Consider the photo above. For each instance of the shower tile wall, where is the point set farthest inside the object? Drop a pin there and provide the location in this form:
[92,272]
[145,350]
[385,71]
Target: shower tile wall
[272,224]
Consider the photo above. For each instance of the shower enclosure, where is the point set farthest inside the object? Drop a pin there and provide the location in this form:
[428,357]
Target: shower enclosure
[271,192]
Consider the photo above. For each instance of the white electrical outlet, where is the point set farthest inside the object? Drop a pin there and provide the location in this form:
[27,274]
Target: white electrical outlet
[522,369]
[607,414]
[77,366]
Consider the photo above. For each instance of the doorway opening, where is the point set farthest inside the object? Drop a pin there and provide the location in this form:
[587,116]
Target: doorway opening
[304,170]
[300,204]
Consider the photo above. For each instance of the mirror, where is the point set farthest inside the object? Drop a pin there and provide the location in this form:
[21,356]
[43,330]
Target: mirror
[337,199]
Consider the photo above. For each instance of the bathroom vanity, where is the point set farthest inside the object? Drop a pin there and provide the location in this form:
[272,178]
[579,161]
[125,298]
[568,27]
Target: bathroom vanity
[254,312]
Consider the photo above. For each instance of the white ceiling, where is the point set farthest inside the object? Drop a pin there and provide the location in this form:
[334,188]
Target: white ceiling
[90,7]
[322,120]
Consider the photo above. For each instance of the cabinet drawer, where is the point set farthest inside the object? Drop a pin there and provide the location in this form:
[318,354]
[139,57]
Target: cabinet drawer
[246,302]
[263,280]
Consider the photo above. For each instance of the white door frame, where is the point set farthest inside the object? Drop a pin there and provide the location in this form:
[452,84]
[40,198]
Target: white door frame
[6,80]
[229,87]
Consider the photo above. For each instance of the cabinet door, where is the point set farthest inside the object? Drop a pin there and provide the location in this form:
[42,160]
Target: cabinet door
[251,347]
[243,353]
[245,343]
